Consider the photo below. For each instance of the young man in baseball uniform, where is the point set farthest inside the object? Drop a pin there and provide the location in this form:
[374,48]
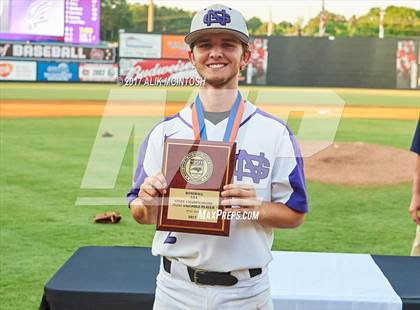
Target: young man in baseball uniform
[213,272]
[414,208]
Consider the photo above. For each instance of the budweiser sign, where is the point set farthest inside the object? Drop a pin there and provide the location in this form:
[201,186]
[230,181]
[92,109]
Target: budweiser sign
[152,69]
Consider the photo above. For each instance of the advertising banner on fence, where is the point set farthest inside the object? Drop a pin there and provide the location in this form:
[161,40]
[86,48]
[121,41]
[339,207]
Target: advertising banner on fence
[173,46]
[406,64]
[140,45]
[57,71]
[61,52]
[151,71]
[256,71]
[98,72]
[18,70]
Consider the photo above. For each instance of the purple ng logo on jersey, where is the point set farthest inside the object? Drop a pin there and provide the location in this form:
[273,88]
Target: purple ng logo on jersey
[257,171]
[216,17]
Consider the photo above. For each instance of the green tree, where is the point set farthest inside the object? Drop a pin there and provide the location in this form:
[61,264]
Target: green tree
[398,21]
[401,21]
[368,25]
[352,25]
[262,30]
[336,25]
[171,20]
[115,15]
[139,17]
[254,24]
[297,27]
[282,28]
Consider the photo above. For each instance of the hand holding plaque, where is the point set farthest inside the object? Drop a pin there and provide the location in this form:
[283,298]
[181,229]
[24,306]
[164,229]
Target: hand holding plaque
[196,172]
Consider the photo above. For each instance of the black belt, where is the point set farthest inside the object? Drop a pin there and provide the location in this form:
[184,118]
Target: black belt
[210,277]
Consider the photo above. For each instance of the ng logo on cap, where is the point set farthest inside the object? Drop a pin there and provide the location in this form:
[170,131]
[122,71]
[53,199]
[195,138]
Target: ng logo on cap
[216,17]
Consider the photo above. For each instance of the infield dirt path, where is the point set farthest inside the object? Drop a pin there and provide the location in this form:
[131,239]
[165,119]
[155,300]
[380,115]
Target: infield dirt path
[52,108]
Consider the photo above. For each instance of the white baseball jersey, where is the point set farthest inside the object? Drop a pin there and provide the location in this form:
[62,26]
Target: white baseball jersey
[268,157]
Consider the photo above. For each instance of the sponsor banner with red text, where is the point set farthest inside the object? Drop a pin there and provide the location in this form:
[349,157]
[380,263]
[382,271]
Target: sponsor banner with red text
[98,72]
[143,70]
[18,70]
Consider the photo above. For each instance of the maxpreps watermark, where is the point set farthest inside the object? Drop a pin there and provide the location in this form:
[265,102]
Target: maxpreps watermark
[158,81]
[231,214]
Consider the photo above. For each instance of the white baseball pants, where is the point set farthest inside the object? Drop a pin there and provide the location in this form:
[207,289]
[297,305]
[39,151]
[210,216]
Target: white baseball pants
[176,291]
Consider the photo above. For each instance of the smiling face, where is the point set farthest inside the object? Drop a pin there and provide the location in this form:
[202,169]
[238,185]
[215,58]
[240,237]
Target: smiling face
[218,58]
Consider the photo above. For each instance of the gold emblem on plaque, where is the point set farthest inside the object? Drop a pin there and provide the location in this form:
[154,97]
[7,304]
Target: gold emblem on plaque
[196,167]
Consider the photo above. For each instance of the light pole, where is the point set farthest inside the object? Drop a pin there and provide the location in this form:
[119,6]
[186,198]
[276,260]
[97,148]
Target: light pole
[270,23]
[322,20]
[381,24]
[150,17]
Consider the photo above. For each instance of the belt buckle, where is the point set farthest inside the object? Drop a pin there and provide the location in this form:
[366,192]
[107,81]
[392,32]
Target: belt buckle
[195,275]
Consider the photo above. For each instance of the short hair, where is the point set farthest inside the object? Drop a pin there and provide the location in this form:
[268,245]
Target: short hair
[245,47]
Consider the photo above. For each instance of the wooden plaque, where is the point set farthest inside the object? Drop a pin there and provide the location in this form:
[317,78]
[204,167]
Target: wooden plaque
[195,172]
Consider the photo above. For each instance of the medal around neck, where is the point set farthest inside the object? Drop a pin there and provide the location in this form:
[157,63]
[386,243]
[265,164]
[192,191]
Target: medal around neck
[196,172]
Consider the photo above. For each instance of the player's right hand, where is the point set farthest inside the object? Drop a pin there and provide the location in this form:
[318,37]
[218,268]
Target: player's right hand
[151,190]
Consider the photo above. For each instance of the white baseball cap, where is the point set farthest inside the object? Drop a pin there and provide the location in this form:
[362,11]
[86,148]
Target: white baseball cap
[218,18]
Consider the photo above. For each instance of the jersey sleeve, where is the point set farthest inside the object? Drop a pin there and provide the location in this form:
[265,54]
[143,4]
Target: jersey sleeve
[415,146]
[288,179]
[149,161]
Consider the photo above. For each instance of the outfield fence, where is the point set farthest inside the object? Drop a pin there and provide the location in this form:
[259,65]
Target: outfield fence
[275,61]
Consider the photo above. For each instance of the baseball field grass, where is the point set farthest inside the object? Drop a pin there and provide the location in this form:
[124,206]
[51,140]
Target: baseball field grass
[62,91]
[43,161]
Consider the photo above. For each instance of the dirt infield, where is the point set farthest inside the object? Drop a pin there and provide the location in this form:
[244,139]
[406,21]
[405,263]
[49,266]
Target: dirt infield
[52,108]
[360,164]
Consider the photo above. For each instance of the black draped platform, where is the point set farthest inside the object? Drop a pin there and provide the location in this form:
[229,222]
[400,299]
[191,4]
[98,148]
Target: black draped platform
[105,278]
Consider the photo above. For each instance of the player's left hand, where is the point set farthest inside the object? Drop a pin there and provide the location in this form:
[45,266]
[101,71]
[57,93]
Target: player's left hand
[243,196]
[414,209]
